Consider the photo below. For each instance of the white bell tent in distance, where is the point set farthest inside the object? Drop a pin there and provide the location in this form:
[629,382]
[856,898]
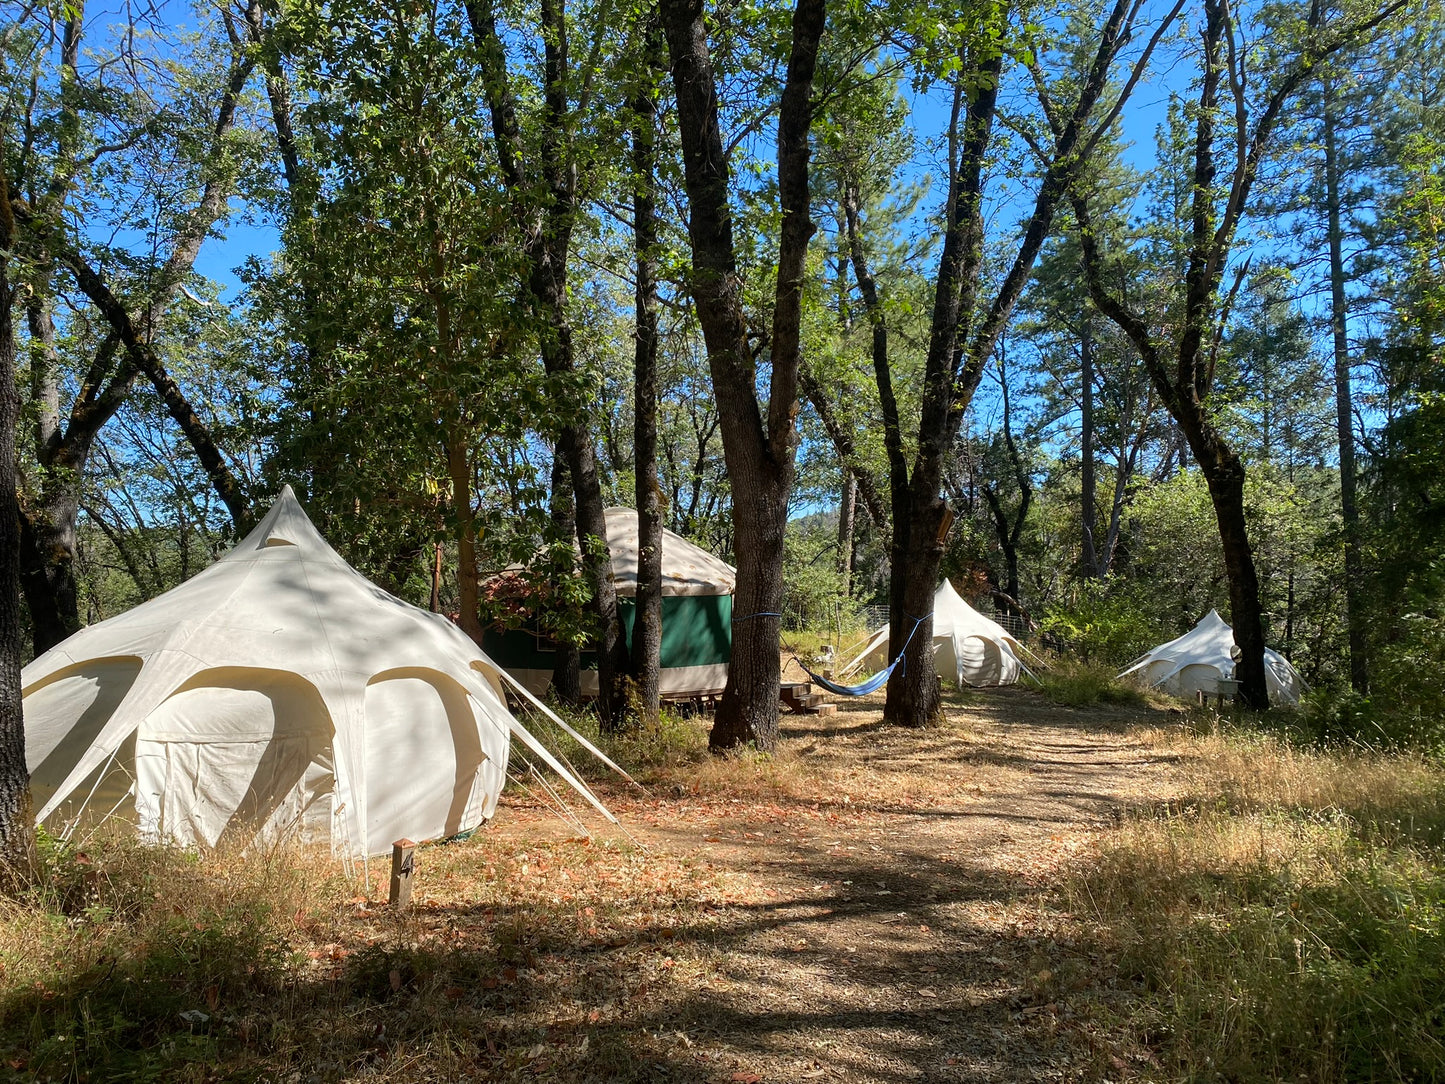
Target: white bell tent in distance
[968,648]
[278,694]
[1197,661]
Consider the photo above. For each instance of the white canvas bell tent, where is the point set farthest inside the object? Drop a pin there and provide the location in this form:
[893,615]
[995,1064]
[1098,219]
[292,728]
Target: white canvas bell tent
[277,694]
[968,648]
[1194,663]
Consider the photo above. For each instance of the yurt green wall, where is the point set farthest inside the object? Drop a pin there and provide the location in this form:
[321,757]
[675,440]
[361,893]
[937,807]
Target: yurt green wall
[696,646]
[697,612]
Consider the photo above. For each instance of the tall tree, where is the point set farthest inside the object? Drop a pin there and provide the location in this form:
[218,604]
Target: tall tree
[17,829]
[647,624]
[1344,397]
[543,183]
[758,441]
[965,328]
[74,146]
[1181,355]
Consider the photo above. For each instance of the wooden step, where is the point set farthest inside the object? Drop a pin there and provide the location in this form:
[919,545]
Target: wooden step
[799,698]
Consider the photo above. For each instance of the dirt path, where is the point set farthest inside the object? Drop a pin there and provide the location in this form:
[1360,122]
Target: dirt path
[893,921]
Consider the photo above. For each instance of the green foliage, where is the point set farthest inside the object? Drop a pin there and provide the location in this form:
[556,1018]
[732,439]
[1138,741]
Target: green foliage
[1278,407]
[1081,685]
[405,357]
[813,590]
[1405,708]
[1104,622]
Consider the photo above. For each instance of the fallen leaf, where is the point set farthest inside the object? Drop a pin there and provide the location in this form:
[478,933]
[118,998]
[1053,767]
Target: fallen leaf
[395,977]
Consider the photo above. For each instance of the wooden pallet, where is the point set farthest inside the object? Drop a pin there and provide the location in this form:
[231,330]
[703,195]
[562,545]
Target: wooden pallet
[800,699]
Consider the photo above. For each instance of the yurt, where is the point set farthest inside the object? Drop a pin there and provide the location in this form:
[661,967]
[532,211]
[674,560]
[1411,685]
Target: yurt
[968,648]
[276,695]
[1195,662]
[697,612]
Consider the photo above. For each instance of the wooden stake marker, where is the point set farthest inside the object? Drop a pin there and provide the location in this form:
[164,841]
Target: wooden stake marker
[403,864]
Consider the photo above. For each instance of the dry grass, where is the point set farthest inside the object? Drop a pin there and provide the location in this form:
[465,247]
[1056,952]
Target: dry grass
[1284,918]
[866,904]
[139,963]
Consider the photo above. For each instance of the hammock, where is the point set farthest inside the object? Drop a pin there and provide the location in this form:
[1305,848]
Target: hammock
[873,684]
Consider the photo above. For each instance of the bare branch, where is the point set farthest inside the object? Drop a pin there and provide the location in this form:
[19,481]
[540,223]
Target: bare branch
[1135,74]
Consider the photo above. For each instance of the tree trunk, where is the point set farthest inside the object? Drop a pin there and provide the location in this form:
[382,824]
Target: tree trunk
[748,711]
[1224,473]
[1344,409]
[1007,536]
[17,828]
[647,621]
[759,453]
[1091,566]
[847,508]
[567,671]
[459,470]
[49,510]
[913,698]
[46,561]
[1010,531]
[608,641]
[435,605]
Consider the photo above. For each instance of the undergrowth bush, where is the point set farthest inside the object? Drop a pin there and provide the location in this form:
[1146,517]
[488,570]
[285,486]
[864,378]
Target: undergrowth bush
[1080,684]
[673,741]
[1330,717]
[1104,624]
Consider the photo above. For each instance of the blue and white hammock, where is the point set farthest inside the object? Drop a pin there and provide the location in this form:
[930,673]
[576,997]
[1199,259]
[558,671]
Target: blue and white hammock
[873,684]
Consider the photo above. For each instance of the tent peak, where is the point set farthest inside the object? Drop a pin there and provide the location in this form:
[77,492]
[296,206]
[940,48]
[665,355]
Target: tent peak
[284,524]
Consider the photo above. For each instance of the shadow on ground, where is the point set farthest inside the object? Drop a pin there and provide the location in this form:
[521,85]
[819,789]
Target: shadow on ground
[808,937]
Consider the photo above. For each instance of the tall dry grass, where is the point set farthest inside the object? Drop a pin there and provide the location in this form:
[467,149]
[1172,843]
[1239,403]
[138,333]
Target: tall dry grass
[516,960]
[118,951]
[1286,919]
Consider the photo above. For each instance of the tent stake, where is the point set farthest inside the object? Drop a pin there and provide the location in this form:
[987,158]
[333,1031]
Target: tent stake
[403,864]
